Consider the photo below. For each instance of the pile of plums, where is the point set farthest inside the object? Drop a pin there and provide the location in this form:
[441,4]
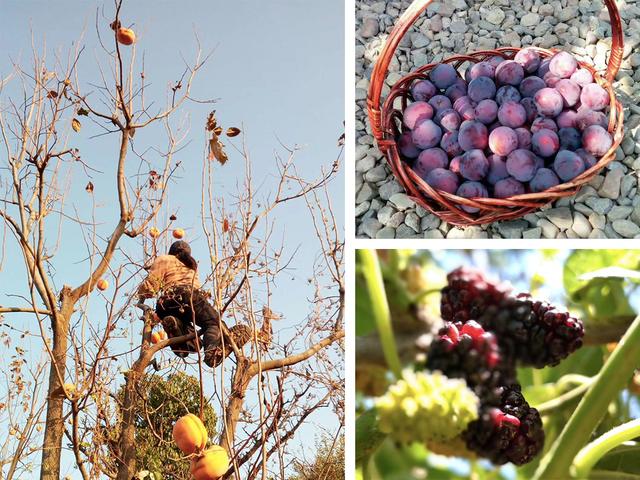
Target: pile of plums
[509,127]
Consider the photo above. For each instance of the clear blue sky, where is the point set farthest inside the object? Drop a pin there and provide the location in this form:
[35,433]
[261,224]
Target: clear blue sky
[278,72]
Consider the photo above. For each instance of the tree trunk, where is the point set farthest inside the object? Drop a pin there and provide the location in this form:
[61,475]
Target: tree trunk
[54,427]
[234,406]
[126,442]
[126,450]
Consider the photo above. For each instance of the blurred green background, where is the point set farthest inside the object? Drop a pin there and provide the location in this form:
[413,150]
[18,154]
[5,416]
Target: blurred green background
[599,286]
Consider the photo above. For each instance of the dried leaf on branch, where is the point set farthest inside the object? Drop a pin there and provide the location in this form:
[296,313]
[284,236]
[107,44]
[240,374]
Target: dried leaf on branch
[233,132]
[216,150]
[212,123]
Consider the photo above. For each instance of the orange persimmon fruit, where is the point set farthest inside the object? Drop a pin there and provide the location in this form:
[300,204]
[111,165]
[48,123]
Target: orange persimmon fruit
[126,36]
[211,465]
[158,336]
[190,434]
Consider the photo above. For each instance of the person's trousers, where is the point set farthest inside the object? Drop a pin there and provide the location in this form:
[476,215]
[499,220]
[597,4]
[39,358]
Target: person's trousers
[188,305]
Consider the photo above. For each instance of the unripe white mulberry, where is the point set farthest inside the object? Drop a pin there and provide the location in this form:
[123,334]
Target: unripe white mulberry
[425,407]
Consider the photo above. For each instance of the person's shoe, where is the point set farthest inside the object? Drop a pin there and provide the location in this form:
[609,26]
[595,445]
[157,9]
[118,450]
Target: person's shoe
[213,357]
[241,334]
[173,327]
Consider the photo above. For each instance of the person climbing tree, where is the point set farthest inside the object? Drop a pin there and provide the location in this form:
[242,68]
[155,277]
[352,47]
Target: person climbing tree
[182,303]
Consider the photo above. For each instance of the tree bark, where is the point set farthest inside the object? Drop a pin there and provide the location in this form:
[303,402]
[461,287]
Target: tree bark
[54,426]
[126,442]
[234,405]
[126,449]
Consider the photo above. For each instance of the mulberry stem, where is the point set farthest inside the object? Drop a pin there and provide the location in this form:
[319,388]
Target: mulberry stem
[381,313]
[611,379]
[589,455]
[567,397]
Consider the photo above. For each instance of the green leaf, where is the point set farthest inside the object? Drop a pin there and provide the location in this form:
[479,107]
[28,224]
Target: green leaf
[391,463]
[368,437]
[537,394]
[395,289]
[609,272]
[595,280]
[166,400]
[399,258]
[605,301]
[526,376]
[549,253]
[441,473]
[581,262]
[417,453]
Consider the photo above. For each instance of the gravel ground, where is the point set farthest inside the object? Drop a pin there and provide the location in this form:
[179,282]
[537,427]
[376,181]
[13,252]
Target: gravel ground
[608,207]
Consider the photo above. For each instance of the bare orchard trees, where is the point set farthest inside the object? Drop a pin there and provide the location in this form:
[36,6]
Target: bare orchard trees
[86,342]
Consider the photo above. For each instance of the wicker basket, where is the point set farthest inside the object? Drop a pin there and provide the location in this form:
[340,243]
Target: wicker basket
[386,124]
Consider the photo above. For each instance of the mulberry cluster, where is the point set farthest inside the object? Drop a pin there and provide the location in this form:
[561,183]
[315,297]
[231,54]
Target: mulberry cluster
[532,332]
[489,330]
[507,428]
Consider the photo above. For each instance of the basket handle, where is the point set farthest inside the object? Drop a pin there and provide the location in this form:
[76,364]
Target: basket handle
[412,13]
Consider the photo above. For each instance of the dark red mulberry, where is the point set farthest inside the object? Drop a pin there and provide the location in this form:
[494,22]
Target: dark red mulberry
[508,430]
[466,350]
[532,332]
[468,293]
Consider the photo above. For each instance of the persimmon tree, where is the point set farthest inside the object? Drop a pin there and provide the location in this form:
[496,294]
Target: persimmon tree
[96,343]
[165,400]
